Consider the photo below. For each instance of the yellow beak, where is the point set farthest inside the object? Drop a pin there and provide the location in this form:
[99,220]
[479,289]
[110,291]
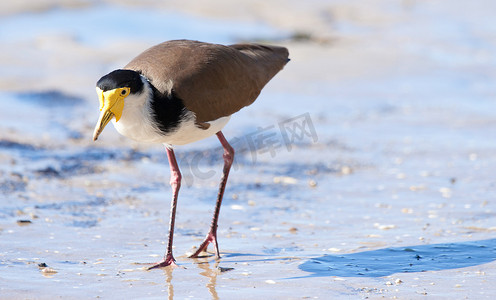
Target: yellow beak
[111,104]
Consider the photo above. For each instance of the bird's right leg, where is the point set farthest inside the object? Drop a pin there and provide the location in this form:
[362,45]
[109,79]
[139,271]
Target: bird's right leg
[175,183]
[212,234]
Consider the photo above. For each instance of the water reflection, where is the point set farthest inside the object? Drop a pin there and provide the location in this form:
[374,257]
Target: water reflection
[211,274]
[210,270]
[168,279]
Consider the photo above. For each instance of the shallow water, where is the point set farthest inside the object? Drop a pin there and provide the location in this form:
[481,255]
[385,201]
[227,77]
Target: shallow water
[101,24]
[364,170]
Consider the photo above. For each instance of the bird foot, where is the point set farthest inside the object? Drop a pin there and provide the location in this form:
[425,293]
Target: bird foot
[167,261]
[211,238]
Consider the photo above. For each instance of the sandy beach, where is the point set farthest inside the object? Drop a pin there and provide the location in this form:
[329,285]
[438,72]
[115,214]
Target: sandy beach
[375,181]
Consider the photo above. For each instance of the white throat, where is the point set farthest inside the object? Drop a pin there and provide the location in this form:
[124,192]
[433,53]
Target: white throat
[137,122]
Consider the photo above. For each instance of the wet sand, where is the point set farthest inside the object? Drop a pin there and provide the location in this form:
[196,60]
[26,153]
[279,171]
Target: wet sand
[364,170]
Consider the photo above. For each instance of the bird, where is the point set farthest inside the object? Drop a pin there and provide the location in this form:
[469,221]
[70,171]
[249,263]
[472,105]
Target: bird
[182,91]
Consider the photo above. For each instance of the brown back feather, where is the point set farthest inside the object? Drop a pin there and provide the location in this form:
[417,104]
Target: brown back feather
[213,80]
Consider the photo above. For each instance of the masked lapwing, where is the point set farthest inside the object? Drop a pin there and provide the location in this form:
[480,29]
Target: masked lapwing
[182,91]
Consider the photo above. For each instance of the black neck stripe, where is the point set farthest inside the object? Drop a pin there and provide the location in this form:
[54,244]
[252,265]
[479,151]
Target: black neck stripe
[168,111]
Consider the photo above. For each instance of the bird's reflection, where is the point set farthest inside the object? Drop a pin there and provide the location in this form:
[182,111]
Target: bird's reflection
[168,279]
[209,269]
[211,274]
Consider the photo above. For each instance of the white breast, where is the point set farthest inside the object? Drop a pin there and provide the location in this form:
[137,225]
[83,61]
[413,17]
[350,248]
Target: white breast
[188,131]
[138,124]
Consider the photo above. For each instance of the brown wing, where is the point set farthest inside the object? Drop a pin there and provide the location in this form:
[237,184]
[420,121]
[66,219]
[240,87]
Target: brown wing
[213,80]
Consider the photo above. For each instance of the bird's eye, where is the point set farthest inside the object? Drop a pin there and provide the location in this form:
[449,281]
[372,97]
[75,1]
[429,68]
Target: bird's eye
[123,92]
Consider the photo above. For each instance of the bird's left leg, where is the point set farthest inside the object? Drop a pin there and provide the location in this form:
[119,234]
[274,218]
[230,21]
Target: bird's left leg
[212,234]
[175,183]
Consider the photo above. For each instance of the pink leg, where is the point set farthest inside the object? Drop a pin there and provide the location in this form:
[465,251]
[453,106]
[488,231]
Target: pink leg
[175,183]
[212,234]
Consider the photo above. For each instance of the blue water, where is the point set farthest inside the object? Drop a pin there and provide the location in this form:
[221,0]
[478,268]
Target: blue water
[101,24]
[388,261]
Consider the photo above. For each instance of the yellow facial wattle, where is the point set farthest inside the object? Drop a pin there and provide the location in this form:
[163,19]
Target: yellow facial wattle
[113,100]
[111,104]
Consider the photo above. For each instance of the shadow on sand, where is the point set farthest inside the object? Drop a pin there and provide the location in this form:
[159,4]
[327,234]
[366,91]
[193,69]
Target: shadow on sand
[384,262]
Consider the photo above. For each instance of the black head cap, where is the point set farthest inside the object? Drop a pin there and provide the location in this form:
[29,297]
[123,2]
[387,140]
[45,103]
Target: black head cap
[121,78]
